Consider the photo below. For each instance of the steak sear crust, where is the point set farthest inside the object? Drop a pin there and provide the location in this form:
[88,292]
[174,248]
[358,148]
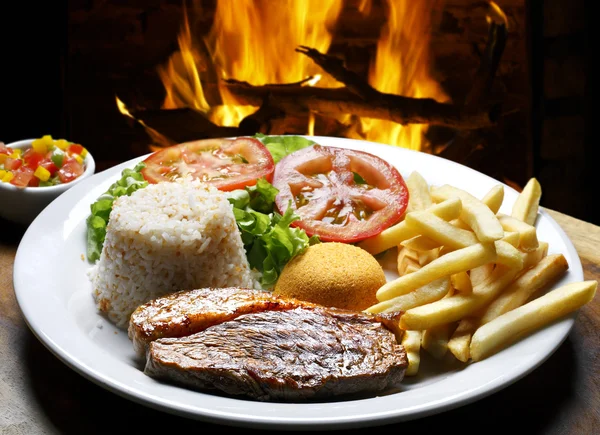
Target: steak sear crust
[186,312]
[294,355]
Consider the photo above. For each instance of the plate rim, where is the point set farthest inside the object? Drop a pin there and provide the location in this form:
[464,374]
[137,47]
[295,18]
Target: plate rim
[349,421]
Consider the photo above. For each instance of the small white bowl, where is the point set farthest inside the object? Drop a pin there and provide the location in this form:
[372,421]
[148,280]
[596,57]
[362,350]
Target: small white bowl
[23,204]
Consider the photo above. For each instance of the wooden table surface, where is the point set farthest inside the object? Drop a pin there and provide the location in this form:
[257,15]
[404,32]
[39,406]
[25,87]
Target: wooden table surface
[41,395]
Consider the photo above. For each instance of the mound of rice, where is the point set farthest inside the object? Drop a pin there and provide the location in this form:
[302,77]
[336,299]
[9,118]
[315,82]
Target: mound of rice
[167,237]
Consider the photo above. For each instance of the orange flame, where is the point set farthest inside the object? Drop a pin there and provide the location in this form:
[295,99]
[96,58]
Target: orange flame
[254,41]
[402,67]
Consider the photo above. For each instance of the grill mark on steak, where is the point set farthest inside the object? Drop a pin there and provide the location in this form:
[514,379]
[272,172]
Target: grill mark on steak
[295,355]
[186,312]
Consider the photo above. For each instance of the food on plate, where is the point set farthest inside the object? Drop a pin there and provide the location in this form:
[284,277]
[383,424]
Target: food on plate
[186,312]
[227,164]
[411,341]
[284,271]
[527,233]
[47,162]
[461,273]
[476,214]
[426,294]
[334,275]
[341,195]
[444,266]
[289,356]
[546,271]
[130,181]
[163,238]
[396,234]
[526,206]
[269,239]
[542,311]
[281,146]
[435,340]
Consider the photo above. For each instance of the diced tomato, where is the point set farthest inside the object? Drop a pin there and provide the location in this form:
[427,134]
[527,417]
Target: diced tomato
[5,150]
[32,159]
[12,164]
[49,166]
[75,149]
[22,177]
[34,182]
[70,170]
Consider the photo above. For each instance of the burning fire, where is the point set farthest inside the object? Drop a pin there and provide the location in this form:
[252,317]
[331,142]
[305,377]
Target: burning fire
[254,41]
[402,67]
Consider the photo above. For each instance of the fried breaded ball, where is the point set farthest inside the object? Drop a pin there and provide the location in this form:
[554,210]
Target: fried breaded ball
[334,275]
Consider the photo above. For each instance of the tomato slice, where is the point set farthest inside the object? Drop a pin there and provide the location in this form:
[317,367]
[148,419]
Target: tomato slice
[228,164]
[341,195]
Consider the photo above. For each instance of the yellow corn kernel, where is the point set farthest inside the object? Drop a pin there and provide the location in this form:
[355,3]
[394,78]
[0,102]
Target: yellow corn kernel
[3,158]
[8,176]
[16,154]
[42,173]
[61,144]
[78,158]
[84,153]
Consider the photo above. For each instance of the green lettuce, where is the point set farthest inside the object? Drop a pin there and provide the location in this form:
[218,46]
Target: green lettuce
[130,181]
[281,146]
[269,240]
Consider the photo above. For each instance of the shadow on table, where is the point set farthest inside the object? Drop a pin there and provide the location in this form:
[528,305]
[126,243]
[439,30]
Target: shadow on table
[78,406]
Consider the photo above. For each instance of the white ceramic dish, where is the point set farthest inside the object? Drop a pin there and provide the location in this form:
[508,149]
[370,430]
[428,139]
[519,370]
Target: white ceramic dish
[55,296]
[24,204]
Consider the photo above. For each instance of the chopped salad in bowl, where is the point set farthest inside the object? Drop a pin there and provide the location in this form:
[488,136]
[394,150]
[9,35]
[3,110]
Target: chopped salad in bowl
[33,172]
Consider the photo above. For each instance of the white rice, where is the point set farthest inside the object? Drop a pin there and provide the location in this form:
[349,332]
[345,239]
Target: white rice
[163,238]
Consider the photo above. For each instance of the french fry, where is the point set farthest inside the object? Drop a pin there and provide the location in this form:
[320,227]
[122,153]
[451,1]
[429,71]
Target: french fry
[439,230]
[526,206]
[480,274]
[542,274]
[418,192]
[407,258]
[526,319]
[458,223]
[458,306]
[411,267]
[528,240]
[435,340]
[511,237]
[427,257]
[460,342]
[431,292]
[508,255]
[462,282]
[446,265]
[421,244]
[494,198]
[474,212]
[411,341]
[532,258]
[396,234]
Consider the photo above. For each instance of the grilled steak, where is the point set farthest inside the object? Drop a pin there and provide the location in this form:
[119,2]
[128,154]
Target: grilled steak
[294,355]
[187,312]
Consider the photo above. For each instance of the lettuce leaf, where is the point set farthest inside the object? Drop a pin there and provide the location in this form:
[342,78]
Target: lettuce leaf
[269,241]
[281,146]
[130,181]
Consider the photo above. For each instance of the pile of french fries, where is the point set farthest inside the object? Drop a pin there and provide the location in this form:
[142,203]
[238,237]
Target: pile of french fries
[471,280]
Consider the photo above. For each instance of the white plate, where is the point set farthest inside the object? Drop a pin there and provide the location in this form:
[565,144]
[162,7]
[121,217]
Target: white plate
[54,294]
